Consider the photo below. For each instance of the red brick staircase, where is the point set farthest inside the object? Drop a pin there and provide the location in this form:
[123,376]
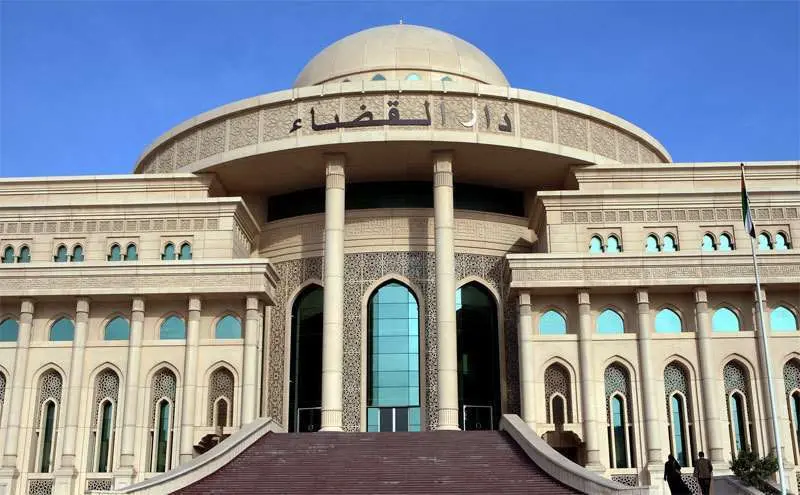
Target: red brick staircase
[485,462]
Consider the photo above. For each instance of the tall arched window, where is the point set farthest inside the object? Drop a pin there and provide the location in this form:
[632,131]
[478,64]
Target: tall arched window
[24,255]
[609,321]
[115,254]
[781,319]
[378,77]
[781,242]
[478,358]
[724,320]
[9,330]
[552,323]
[305,373]
[619,414]
[668,321]
[651,244]
[680,427]
[63,330]
[558,392]
[737,390]
[117,329]
[708,243]
[130,253]
[8,254]
[46,420]
[77,253]
[173,328]
[220,397]
[725,243]
[61,254]
[612,245]
[186,251]
[393,359]
[228,327]
[764,242]
[670,246]
[791,380]
[162,420]
[106,396]
[169,252]
[596,244]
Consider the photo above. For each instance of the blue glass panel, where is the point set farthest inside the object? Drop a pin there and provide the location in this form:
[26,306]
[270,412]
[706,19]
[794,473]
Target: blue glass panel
[782,320]
[116,253]
[737,422]
[552,323]
[9,330]
[618,426]
[186,252]
[669,244]
[117,329]
[725,243]
[708,243]
[795,406]
[724,320]
[173,328]
[781,243]
[677,429]
[668,321]
[228,327]
[378,77]
[164,414]
[61,254]
[414,423]
[413,77]
[62,330]
[651,246]
[24,255]
[610,321]
[373,419]
[595,245]
[169,252]
[612,244]
[764,243]
[130,253]
[77,253]
[8,255]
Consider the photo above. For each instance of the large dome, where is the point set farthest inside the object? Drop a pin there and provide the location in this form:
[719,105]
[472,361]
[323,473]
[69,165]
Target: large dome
[400,52]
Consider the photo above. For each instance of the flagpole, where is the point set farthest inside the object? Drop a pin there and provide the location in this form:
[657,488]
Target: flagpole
[765,353]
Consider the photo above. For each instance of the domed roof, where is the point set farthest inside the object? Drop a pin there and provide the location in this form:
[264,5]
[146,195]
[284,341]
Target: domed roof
[397,51]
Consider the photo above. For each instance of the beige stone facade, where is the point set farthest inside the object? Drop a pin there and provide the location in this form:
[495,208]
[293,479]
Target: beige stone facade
[583,176]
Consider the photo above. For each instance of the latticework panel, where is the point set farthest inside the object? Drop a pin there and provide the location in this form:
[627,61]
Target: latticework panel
[106,386]
[220,384]
[626,479]
[50,387]
[791,376]
[164,386]
[556,381]
[40,487]
[736,378]
[98,484]
[2,388]
[692,483]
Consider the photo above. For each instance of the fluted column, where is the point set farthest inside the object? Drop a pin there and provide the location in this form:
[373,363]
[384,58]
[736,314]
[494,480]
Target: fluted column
[527,371]
[445,289]
[73,396]
[15,399]
[708,378]
[588,402]
[652,428]
[333,295]
[250,362]
[190,381]
[131,405]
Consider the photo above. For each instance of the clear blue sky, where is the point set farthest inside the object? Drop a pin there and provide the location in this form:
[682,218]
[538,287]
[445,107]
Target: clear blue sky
[87,85]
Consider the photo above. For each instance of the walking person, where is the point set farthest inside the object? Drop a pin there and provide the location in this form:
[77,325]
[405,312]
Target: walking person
[703,471]
[672,474]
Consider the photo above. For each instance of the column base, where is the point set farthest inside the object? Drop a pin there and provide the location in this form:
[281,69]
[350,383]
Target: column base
[65,481]
[448,419]
[124,476]
[186,458]
[331,420]
[8,480]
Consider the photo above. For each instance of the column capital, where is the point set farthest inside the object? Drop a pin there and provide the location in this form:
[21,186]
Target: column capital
[137,305]
[642,296]
[252,303]
[82,306]
[194,304]
[700,295]
[583,297]
[763,295]
[443,158]
[335,160]
[27,306]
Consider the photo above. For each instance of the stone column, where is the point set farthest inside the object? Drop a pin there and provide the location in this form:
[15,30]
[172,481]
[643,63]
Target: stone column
[652,427]
[588,402]
[527,372]
[333,295]
[188,419]
[763,372]
[127,452]
[73,397]
[445,289]
[15,399]
[708,380]
[250,362]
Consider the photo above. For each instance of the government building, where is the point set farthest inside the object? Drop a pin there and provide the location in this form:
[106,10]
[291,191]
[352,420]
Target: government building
[401,242]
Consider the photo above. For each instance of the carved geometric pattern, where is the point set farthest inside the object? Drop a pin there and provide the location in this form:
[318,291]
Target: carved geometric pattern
[736,378]
[617,381]
[692,483]
[220,384]
[791,376]
[40,487]
[81,226]
[98,484]
[106,386]
[662,215]
[556,380]
[675,379]
[626,479]
[50,385]
[164,385]
[2,389]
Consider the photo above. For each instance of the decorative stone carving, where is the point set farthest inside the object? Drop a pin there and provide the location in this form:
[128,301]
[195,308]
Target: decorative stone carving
[244,130]
[736,378]
[791,376]
[572,130]
[186,149]
[220,384]
[212,139]
[603,140]
[40,486]
[164,386]
[50,388]
[556,381]
[106,386]
[2,389]
[99,484]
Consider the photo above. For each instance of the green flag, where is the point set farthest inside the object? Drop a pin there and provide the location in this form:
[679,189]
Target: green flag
[747,215]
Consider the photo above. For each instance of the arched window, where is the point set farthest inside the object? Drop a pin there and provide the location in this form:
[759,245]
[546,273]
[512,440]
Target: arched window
[9,330]
[8,254]
[791,380]
[115,254]
[77,253]
[228,327]
[47,429]
[610,321]
[61,254]
[162,428]
[668,321]
[596,244]
[618,426]
[378,77]
[670,246]
[221,413]
[393,359]
[737,389]
[558,392]
[680,427]
[764,242]
[478,358]
[106,417]
[169,252]
[708,243]
[651,244]
[781,242]
[619,413]
[678,440]
[220,397]
[24,255]
[413,77]
[552,323]
[163,418]
[446,78]
[46,420]
[117,329]
[725,243]
[724,320]
[130,253]
[613,244]
[558,411]
[305,371]
[781,319]
[63,330]
[103,432]
[186,251]
[173,328]
[736,417]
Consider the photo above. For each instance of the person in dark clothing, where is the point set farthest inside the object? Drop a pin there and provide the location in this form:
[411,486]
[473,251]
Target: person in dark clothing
[672,473]
[703,471]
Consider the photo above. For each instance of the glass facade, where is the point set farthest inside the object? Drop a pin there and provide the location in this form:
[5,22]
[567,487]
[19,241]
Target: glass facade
[393,360]
[305,375]
[610,321]
[724,320]
[678,436]
[117,329]
[737,422]
[618,433]
[173,328]
[228,327]
[162,442]
[668,321]
[552,323]
[47,442]
[62,330]
[781,319]
[105,437]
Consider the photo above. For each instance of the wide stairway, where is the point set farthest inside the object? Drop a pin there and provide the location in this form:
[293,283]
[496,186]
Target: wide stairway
[446,462]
